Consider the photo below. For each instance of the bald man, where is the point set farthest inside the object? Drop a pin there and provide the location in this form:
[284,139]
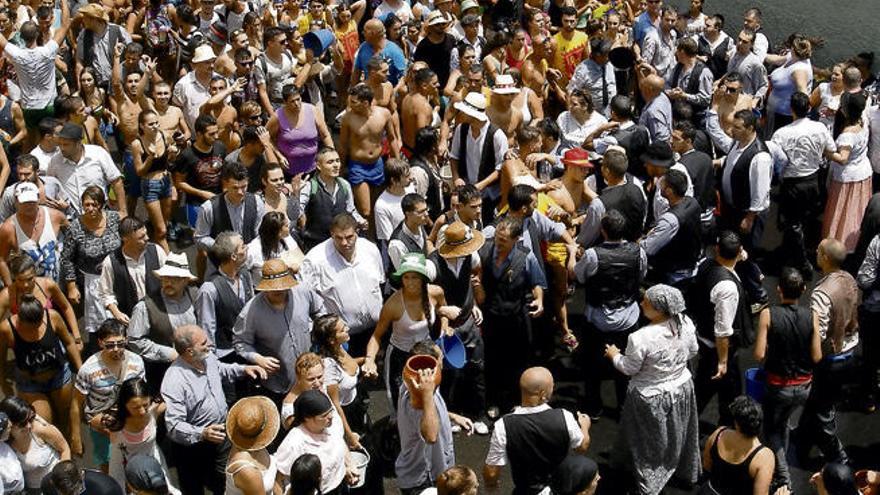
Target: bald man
[657,114]
[834,304]
[376,42]
[534,438]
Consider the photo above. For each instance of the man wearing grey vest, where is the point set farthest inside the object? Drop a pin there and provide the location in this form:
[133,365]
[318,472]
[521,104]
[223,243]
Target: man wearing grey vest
[154,318]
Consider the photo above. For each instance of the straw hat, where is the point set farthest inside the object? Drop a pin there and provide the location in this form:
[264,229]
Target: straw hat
[460,240]
[276,276]
[252,423]
[474,104]
[436,17]
[203,53]
[94,10]
[505,85]
[176,265]
[412,262]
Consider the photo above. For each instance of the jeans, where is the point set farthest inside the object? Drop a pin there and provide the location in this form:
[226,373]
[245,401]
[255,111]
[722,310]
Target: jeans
[728,387]
[818,424]
[780,404]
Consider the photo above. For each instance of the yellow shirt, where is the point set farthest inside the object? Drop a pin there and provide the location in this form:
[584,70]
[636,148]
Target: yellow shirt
[569,53]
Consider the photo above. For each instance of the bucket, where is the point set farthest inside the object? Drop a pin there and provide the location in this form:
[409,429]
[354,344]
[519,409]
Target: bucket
[755,384]
[360,459]
[453,350]
[318,41]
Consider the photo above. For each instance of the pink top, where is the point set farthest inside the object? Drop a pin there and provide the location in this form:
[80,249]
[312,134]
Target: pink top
[298,144]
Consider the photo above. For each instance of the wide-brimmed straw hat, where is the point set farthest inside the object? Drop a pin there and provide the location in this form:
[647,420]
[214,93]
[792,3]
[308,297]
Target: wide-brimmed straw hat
[94,10]
[203,53]
[505,85]
[276,276]
[474,104]
[176,265]
[253,423]
[460,240]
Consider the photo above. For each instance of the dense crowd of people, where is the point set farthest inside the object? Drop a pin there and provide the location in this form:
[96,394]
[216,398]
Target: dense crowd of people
[225,223]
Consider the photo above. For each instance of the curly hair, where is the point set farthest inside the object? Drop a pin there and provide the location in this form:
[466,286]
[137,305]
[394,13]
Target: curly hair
[747,415]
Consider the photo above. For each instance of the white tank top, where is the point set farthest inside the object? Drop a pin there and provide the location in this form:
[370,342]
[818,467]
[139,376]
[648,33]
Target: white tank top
[405,332]
[268,475]
[526,113]
[45,250]
[37,461]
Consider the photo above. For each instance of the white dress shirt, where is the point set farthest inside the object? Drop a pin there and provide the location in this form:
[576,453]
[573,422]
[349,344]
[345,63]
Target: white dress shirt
[803,142]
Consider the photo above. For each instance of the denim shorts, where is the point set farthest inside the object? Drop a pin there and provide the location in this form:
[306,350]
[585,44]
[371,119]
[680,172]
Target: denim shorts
[23,383]
[156,189]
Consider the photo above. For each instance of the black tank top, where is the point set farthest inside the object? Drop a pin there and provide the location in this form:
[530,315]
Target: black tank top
[728,478]
[46,354]
[160,163]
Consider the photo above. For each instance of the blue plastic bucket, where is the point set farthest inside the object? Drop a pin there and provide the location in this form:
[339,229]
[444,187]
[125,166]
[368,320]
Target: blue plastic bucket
[454,352]
[755,383]
[318,41]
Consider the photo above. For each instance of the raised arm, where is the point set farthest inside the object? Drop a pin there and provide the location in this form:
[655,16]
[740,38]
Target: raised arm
[61,33]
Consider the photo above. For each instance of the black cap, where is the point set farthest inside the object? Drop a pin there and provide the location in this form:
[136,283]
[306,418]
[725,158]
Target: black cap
[71,131]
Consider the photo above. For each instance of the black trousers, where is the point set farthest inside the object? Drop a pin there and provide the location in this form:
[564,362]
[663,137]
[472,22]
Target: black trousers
[869,337]
[800,202]
[818,424]
[465,389]
[726,388]
[749,272]
[508,350]
[201,467]
[597,368]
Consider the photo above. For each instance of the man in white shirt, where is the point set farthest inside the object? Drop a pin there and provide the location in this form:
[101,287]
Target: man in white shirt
[752,20]
[79,166]
[803,142]
[513,440]
[35,67]
[347,272]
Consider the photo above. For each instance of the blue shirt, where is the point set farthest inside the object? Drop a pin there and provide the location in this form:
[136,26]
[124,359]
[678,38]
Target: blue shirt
[391,52]
[640,28]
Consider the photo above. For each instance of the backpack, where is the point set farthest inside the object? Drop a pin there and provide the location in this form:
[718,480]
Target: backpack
[157,30]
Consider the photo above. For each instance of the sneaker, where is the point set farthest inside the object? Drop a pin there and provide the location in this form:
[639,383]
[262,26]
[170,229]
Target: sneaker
[480,428]
[173,231]
[456,428]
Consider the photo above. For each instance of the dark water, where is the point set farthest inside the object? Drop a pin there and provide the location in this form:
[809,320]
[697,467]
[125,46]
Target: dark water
[848,26]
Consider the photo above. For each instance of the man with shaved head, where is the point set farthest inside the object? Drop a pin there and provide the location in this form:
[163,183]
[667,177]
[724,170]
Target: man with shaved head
[657,114]
[835,314]
[534,438]
[374,43]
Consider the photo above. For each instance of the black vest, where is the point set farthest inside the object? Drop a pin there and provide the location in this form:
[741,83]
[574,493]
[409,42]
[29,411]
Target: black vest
[458,289]
[740,185]
[788,341]
[487,155]
[635,140]
[685,248]
[536,444]
[716,59]
[505,294]
[320,211]
[702,310]
[123,285]
[222,222]
[161,331]
[629,200]
[433,196]
[408,242]
[616,282]
[702,174]
[227,306]
[692,86]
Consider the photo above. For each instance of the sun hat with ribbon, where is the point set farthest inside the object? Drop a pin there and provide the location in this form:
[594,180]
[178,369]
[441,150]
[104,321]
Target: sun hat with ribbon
[253,423]
[505,85]
[460,240]
[176,265]
[276,276]
[474,105]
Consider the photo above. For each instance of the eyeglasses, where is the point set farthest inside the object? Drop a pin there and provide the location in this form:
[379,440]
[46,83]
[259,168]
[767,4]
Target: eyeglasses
[245,63]
[119,344]
[254,118]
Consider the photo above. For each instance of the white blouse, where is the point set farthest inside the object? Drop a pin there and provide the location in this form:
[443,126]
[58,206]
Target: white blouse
[656,357]
[858,167]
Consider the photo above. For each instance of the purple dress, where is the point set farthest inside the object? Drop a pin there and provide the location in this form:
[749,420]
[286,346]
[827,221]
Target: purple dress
[298,144]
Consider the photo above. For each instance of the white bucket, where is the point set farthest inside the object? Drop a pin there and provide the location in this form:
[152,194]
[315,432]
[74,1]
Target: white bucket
[360,459]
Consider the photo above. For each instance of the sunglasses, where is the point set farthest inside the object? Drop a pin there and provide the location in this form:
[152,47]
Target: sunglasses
[246,63]
[732,91]
[115,345]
